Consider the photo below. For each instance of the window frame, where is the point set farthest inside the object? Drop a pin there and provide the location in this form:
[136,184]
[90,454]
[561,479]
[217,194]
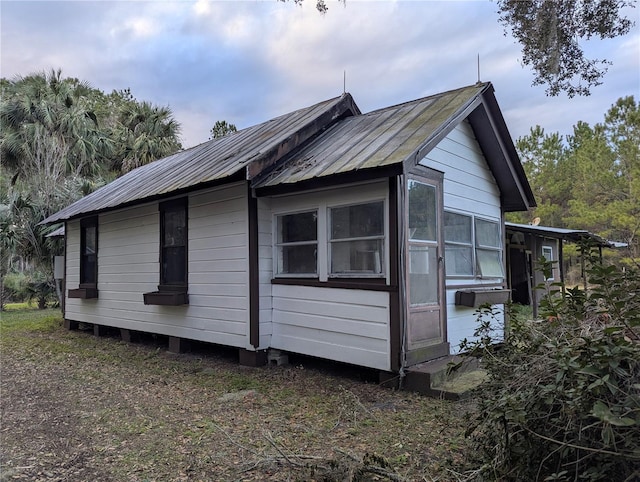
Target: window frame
[165,207]
[476,247]
[487,248]
[331,241]
[85,224]
[280,244]
[470,245]
[550,259]
[322,203]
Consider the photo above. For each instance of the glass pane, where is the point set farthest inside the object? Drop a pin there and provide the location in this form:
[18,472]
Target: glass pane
[357,221]
[458,260]
[90,240]
[457,228]
[423,275]
[88,269]
[364,256]
[422,211]
[547,252]
[489,263]
[175,227]
[487,233]
[298,227]
[173,266]
[299,259]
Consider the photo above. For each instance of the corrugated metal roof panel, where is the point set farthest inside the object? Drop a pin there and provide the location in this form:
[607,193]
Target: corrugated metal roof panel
[214,160]
[380,138]
[574,235]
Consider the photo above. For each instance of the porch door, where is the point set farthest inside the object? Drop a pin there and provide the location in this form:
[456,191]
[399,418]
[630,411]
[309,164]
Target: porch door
[425,333]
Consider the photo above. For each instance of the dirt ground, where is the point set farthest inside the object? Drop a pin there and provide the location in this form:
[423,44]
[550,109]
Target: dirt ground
[76,407]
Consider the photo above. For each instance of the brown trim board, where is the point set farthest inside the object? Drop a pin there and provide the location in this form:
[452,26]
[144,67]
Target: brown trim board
[394,263]
[254,270]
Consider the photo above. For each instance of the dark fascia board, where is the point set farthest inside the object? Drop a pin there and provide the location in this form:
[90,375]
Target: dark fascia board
[345,107]
[495,141]
[443,131]
[334,180]
[236,177]
[572,235]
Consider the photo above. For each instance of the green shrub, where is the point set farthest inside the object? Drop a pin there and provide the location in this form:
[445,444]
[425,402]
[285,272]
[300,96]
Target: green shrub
[16,287]
[562,401]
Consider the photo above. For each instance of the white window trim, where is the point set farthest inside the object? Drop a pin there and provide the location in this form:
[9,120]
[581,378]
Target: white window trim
[384,237]
[475,247]
[550,258]
[323,204]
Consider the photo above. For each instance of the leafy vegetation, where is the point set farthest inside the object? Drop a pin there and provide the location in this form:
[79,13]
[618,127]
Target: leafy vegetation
[60,139]
[563,397]
[550,33]
[591,179]
[221,129]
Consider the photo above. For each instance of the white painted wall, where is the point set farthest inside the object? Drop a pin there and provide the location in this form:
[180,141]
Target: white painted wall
[265,267]
[350,326]
[128,266]
[468,188]
[345,325]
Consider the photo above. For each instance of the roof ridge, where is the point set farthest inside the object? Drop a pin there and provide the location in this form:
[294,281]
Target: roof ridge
[480,85]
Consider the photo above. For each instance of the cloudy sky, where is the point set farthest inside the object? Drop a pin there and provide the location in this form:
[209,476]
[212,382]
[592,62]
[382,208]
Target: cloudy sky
[249,61]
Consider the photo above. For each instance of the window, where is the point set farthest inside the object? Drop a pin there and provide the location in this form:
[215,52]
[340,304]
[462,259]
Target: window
[173,244]
[547,254]
[297,243]
[89,252]
[356,239]
[345,241]
[458,245]
[488,249]
[473,247]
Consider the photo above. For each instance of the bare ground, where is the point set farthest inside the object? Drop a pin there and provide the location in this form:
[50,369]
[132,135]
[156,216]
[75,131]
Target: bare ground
[80,408]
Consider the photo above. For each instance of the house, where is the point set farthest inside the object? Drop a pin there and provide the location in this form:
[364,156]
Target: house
[527,243]
[367,239]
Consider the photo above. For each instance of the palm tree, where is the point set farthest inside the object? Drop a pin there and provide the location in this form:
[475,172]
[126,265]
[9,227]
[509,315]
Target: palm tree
[146,133]
[48,130]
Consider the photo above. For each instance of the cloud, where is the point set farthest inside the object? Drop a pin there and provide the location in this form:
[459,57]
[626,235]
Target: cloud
[246,62]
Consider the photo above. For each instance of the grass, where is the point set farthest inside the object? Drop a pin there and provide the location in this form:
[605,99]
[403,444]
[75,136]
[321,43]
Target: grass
[23,317]
[111,410]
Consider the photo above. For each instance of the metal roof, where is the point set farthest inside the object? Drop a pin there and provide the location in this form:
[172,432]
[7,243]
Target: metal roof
[376,139]
[213,160]
[405,133]
[573,235]
[328,138]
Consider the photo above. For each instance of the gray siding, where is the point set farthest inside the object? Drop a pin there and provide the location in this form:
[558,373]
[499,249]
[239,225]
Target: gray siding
[349,326]
[469,188]
[128,266]
[345,325]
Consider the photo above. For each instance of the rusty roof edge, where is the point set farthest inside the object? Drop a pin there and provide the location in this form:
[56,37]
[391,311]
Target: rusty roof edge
[269,160]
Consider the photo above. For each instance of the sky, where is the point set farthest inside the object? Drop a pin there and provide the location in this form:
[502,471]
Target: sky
[249,61]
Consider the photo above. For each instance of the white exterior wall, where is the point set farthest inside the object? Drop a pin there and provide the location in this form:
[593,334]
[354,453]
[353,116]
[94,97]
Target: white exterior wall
[128,266]
[350,326]
[346,325]
[469,188]
[265,268]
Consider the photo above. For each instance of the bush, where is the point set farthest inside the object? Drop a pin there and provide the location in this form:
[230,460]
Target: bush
[16,287]
[562,401]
